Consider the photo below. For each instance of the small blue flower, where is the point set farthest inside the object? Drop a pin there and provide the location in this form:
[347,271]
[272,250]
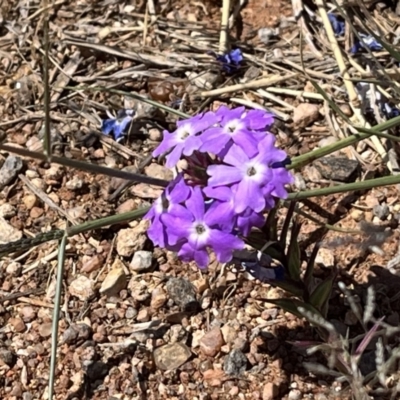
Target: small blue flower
[236,56]
[230,61]
[389,112]
[338,25]
[367,41]
[118,126]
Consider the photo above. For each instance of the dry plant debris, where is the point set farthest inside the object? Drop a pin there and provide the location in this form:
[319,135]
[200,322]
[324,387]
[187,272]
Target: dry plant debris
[136,322]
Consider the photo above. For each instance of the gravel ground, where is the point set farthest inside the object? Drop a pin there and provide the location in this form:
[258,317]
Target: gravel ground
[136,322]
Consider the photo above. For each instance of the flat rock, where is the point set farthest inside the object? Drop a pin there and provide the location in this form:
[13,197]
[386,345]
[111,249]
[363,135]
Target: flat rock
[115,280]
[339,169]
[171,356]
[10,170]
[182,292]
[211,342]
[158,171]
[305,114]
[82,288]
[8,233]
[131,239]
[146,191]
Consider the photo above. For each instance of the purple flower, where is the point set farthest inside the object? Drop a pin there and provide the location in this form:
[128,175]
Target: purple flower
[249,219]
[247,175]
[223,207]
[233,129]
[169,202]
[118,125]
[259,119]
[185,139]
[199,230]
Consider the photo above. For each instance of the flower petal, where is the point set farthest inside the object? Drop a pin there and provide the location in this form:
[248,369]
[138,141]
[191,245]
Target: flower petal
[248,194]
[195,204]
[223,244]
[188,253]
[223,175]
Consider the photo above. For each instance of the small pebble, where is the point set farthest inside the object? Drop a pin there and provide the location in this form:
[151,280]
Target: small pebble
[82,288]
[8,233]
[14,269]
[171,356]
[74,184]
[270,391]
[235,363]
[45,329]
[305,114]
[158,298]
[7,211]
[382,211]
[17,324]
[115,281]
[141,261]
[357,215]
[9,170]
[30,201]
[131,239]
[340,169]
[7,357]
[211,342]
[155,135]
[182,292]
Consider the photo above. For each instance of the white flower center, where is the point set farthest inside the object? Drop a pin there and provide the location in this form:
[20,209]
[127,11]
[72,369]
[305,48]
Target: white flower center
[183,132]
[199,233]
[232,126]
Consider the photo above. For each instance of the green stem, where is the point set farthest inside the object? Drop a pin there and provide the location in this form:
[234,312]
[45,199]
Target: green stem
[365,133]
[349,187]
[112,220]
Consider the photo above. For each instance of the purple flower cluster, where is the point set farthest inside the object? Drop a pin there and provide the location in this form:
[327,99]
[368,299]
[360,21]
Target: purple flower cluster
[234,174]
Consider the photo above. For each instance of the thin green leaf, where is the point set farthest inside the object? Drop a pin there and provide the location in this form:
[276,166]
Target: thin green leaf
[308,275]
[46,80]
[292,305]
[321,294]
[132,95]
[57,234]
[286,224]
[348,187]
[331,103]
[365,133]
[292,287]
[56,315]
[293,258]
[87,166]
[270,227]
